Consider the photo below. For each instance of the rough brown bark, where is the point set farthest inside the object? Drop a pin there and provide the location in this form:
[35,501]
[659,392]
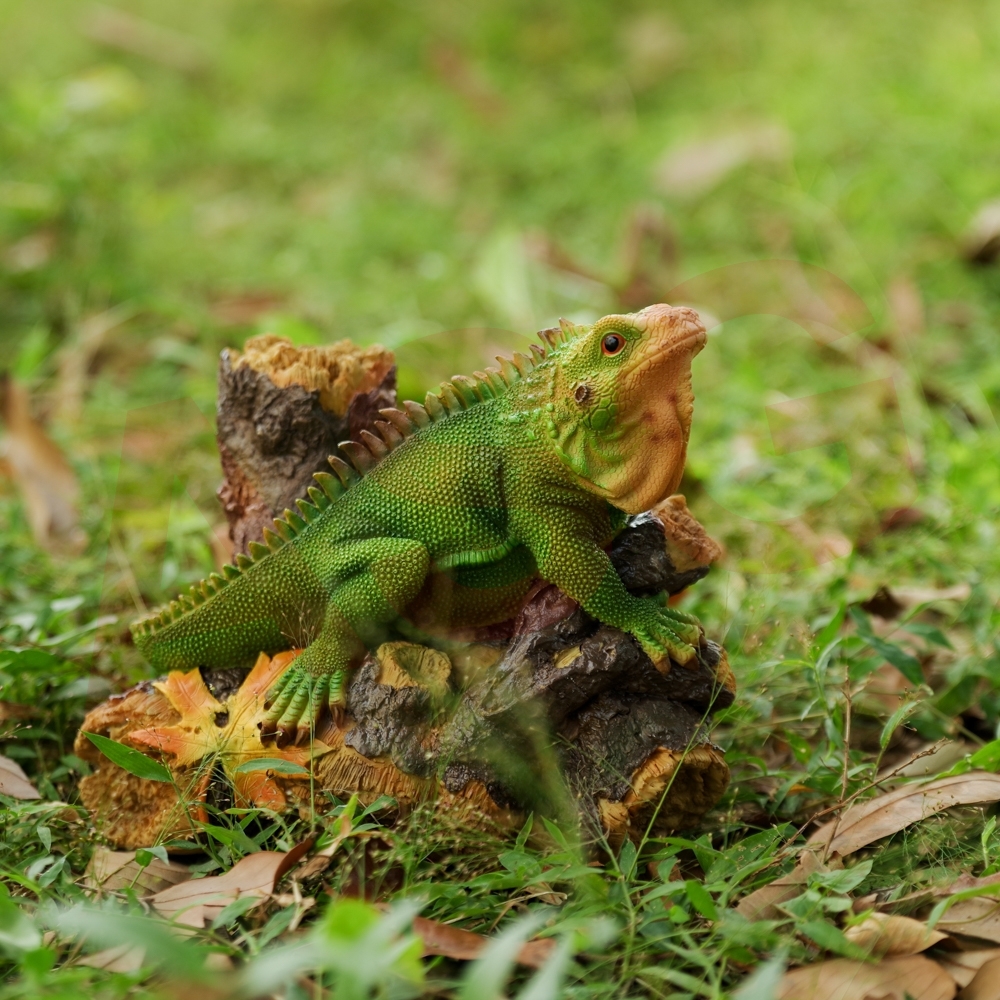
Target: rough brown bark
[550,711]
[282,412]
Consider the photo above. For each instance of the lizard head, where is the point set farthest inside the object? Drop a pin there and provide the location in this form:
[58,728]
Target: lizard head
[623,403]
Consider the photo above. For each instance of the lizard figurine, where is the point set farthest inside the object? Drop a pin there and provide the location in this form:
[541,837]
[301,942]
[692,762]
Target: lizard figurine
[523,471]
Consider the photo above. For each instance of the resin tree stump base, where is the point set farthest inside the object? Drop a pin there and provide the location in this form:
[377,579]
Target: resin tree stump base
[550,712]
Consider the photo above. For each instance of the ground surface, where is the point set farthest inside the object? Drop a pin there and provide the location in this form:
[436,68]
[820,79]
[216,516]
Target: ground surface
[395,174]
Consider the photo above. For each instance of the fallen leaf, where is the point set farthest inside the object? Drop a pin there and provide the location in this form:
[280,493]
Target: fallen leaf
[320,861]
[762,903]
[77,356]
[823,547]
[653,45]
[911,976]
[245,309]
[228,731]
[693,168]
[911,597]
[112,870]
[125,32]
[897,518]
[978,917]
[46,480]
[928,760]
[31,252]
[906,307]
[462,945]
[466,80]
[197,902]
[883,934]
[962,966]
[985,984]
[981,241]
[121,958]
[10,711]
[866,822]
[14,782]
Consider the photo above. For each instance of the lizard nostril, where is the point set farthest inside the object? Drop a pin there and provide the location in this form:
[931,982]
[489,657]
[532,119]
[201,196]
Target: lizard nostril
[582,394]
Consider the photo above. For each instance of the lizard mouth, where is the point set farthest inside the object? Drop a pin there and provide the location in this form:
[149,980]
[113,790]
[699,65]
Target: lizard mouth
[691,344]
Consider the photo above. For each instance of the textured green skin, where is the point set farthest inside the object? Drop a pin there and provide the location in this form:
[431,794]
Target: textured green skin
[455,523]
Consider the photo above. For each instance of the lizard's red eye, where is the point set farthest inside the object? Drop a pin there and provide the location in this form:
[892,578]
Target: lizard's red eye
[612,343]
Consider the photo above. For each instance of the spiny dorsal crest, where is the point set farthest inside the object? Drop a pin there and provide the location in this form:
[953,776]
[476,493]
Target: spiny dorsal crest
[457,394]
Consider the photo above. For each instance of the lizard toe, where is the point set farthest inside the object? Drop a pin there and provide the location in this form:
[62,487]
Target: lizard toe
[336,699]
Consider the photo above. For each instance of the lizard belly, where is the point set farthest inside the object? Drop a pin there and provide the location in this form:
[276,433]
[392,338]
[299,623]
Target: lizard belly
[470,594]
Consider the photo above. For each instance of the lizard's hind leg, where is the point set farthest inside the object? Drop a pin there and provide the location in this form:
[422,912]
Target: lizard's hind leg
[376,578]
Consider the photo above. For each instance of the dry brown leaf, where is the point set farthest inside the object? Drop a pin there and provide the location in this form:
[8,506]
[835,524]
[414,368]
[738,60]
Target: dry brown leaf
[866,822]
[10,711]
[911,976]
[694,168]
[962,966]
[762,903]
[77,356]
[979,917]
[884,934]
[44,477]
[911,597]
[927,760]
[985,984]
[120,30]
[198,901]
[453,942]
[113,870]
[30,252]
[981,241]
[320,861]
[653,46]
[14,782]
[121,958]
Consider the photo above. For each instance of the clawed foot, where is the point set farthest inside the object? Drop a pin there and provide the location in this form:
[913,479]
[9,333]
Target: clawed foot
[296,702]
[669,635]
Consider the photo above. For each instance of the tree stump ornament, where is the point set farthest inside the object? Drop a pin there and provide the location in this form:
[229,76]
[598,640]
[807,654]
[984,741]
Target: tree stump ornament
[550,712]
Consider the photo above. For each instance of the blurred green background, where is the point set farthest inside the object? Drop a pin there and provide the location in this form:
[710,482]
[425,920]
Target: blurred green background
[446,178]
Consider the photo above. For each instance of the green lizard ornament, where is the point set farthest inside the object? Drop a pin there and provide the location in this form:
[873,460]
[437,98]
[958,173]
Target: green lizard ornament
[520,472]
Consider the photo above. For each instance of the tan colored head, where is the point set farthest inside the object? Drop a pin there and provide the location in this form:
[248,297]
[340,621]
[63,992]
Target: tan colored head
[623,402]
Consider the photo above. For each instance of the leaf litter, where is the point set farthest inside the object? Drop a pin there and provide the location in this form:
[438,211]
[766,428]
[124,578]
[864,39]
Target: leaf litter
[969,907]
[14,782]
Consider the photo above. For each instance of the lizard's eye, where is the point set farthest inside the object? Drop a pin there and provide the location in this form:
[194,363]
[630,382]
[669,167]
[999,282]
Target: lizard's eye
[612,344]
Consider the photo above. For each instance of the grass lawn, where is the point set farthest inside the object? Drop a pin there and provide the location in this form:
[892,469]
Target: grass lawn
[444,179]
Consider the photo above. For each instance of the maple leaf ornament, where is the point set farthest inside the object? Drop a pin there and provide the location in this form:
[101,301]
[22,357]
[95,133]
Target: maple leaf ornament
[229,732]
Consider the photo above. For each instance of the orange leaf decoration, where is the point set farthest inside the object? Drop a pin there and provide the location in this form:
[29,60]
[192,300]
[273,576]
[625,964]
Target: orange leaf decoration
[228,731]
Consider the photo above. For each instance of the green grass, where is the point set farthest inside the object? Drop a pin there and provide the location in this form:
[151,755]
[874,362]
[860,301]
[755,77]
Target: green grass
[370,171]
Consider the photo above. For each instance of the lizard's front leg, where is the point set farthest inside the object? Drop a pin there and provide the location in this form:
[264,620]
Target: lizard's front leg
[569,556]
[373,580]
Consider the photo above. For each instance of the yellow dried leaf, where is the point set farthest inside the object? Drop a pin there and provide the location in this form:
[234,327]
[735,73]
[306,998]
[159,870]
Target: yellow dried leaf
[228,732]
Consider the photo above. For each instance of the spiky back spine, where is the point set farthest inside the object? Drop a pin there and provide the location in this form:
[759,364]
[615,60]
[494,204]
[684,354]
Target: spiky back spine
[455,395]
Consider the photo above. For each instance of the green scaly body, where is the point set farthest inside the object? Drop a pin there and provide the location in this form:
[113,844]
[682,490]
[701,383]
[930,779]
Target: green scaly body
[519,472]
